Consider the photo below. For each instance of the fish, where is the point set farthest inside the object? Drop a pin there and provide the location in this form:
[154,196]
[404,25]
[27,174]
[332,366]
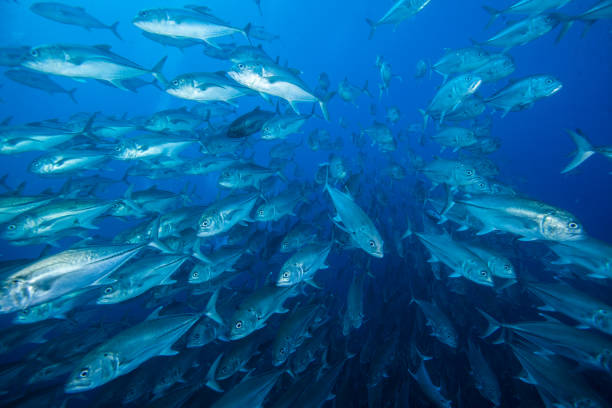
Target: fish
[56,275]
[66,14]
[584,150]
[257,308]
[39,81]
[303,265]
[523,93]
[457,257]
[129,349]
[450,96]
[222,215]
[206,87]
[351,219]
[400,11]
[526,7]
[82,62]
[272,79]
[524,31]
[190,23]
[527,218]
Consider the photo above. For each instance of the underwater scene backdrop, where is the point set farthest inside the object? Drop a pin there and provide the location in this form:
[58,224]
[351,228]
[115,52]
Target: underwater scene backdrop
[267,203]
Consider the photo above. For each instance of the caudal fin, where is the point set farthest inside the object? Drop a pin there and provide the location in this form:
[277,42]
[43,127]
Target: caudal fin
[372,28]
[211,381]
[71,95]
[156,71]
[494,14]
[113,28]
[584,150]
[494,325]
[211,308]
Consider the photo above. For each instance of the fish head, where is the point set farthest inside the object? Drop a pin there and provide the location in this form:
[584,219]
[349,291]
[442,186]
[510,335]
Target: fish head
[203,333]
[227,367]
[43,165]
[477,272]
[110,294]
[264,212]
[229,178]
[147,20]
[561,226]
[120,209]
[602,319]
[200,273]
[604,358]
[33,314]
[545,85]
[290,274]
[42,56]
[478,185]
[471,83]
[270,131]
[281,349]
[96,369]
[243,324]
[178,85]
[465,175]
[502,267]
[20,227]
[209,225]
[247,73]
[372,244]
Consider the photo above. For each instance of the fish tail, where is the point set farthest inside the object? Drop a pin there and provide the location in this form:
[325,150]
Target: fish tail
[494,325]
[71,95]
[568,22]
[372,28]
[365,89]
[494,14]
[156,71]
[113,28]
[211,308]
[425,119]
[247,32]
[584,150]
[323,105]
[211,382]
[587,27]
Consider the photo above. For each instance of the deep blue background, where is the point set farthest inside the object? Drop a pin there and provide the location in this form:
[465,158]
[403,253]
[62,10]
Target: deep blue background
[332,36]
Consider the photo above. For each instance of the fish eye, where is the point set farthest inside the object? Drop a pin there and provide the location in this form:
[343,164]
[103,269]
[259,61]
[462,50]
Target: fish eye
[196,274]
[483,273]
[261,213]
[143,13]
[205,223]
[84,373]
[34,53]
[507,267]
[238,324]
[469,172]
[282,350]
[286,275]
[175,82]
[372,243]
[108,290]
[11,227]
[572,225]
[468,78]
[117,148]
[481,185]
[240,66]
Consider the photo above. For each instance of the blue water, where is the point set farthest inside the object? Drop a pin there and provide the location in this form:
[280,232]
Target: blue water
[332,36]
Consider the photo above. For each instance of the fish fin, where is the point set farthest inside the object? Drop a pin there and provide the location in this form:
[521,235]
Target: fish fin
[211,382]
[211,309]
[156,71]
[372,25]
[494,14]
[485,230]
[71,95]
[113,28]
[169,352]
[584,150]
[494,325]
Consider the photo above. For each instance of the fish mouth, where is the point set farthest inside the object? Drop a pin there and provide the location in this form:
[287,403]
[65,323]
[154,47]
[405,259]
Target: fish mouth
[75,387]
